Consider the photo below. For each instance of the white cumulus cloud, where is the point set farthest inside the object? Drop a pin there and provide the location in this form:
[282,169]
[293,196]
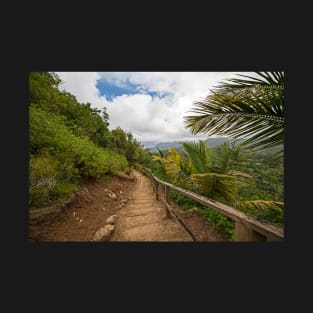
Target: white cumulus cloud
[149,118]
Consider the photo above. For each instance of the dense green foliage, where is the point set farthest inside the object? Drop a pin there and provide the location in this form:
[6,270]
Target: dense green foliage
[69,142]
[250,182]
[266,183]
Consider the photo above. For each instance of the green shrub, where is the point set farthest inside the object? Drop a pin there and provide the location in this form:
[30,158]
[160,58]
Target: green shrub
[60,159]
[42,178]
[44,185]
[49,133]
[184,202]
[273,216]
[219,221]
[104,179]
[62,190]
[270,214]
[70,141]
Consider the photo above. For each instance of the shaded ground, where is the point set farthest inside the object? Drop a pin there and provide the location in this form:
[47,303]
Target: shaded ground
[141,219]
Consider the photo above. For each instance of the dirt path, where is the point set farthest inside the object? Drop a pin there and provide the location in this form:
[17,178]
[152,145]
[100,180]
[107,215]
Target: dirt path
[143,218]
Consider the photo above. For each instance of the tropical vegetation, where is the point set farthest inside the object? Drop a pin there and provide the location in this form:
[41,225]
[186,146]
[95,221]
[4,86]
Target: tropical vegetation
[251,110]
[70,142]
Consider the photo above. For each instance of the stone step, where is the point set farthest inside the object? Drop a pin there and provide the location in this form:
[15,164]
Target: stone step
[152,233]
[144,213]
[142,207]
[146,204]
[138,211]
[144,199]
[140,221]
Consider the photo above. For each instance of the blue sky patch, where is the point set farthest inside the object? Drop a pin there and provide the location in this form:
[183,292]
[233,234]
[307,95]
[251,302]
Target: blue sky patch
[111,90]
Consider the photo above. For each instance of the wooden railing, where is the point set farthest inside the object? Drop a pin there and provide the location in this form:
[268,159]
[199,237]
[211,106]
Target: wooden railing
[247,228]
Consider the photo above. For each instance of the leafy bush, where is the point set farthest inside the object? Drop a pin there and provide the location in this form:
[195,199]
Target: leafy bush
[184,202]
[62,190]
[43,172]
[70,141]
[59,159]
[265,210]
[219,221]
[104,179]
[49,133]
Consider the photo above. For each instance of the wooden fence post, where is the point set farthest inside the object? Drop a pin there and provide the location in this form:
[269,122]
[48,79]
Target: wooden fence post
[156,190]
[245,233]
[255,236]
[242,232]
[167,199]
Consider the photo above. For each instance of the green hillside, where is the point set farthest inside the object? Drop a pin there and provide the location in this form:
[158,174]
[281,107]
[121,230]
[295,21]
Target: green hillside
[70,142]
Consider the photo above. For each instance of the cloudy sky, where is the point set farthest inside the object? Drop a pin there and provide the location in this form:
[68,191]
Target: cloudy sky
[149,104]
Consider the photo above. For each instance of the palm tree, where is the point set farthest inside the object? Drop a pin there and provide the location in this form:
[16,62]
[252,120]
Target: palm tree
[174,164]
[213,172]
[249,107]
[199,168]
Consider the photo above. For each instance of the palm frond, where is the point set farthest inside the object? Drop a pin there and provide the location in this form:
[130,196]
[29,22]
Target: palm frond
[215,185]
[238,174]
[185,167]
[174,164]
[198,154]
[160,152]
[224,158]
[251,109]
[262,205]
[264,79]
[159,159]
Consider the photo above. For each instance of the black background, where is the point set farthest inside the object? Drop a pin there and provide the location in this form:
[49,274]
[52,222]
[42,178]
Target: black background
[162,276]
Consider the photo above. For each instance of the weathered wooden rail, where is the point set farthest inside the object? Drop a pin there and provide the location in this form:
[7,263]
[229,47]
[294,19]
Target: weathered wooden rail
[247,228]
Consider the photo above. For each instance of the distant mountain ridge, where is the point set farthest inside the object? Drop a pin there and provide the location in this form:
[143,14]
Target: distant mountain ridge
[176,144]
[212,142]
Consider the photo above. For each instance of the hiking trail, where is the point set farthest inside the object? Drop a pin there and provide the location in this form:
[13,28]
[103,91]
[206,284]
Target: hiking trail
[143,218]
